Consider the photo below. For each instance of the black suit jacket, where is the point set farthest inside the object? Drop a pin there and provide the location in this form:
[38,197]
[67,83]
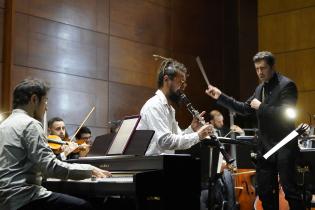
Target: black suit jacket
[273,124]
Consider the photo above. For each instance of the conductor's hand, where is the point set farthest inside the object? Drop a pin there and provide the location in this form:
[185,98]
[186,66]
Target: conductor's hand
[213,92]
[205,131]
[195,124]
[255,104]
[100,173]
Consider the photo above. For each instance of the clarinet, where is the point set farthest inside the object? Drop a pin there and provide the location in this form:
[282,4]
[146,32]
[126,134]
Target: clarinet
[215,140]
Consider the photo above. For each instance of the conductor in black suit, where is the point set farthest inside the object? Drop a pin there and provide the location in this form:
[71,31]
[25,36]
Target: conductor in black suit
[272,97]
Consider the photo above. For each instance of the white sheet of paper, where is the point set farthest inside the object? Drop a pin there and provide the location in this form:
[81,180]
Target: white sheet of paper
[283,142]
[122,137]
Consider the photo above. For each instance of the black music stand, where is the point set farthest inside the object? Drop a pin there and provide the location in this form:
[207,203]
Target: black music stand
[243,156]
[306,173]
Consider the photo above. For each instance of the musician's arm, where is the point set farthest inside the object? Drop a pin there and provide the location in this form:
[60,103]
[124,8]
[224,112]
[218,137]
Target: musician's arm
[155,118]
[39,152]
[242,108]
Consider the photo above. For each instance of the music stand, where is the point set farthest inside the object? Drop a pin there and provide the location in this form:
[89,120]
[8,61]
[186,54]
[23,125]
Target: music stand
[124,134]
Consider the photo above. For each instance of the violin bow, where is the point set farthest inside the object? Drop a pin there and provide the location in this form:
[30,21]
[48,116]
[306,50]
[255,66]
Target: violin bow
[85,119]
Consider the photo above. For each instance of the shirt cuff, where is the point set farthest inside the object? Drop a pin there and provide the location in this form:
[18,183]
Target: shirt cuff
[63,156]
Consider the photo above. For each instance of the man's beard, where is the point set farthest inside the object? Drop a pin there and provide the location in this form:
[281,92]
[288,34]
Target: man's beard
[175,97]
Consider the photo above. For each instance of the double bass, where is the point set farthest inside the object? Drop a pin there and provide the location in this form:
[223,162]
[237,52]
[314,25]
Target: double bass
[243,179]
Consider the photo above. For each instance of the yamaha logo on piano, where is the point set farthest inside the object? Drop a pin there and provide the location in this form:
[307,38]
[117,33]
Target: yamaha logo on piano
[104,166]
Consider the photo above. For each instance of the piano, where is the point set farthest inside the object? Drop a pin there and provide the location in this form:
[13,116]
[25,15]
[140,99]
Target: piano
[156,182]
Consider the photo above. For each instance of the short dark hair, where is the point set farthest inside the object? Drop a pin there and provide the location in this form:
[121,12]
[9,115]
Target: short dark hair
[83,129]
[265,55]
[54,119]
[24,90]
[171,68]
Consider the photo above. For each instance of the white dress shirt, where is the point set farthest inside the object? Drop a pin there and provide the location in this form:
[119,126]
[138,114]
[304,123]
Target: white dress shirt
[158,115]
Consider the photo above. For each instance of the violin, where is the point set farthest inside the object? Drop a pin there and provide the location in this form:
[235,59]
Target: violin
[83,147]
[55,142]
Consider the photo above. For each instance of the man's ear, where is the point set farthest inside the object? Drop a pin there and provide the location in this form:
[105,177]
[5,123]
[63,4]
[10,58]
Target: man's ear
[34,99]
[165,78]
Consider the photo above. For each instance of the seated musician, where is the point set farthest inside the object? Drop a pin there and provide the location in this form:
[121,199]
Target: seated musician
[25,157]
[84,139]
[217,120]
[56,126]
[158,113]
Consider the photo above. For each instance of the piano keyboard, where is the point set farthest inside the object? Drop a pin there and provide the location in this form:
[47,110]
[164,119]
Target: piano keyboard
[113,179]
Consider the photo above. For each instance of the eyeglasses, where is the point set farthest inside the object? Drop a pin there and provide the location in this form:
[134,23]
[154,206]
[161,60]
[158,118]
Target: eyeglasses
[86,138]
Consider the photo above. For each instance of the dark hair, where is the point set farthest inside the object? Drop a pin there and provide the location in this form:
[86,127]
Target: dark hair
[54,119]
[83,129]
[171,68]
[265,55]
[24,90]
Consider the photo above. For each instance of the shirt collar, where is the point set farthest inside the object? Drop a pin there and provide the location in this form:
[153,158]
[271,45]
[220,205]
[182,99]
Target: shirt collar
[17,111]
[273,80]
[161,96]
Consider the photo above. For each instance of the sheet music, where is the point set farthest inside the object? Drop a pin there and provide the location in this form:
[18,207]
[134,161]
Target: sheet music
[283,142]
[123,135]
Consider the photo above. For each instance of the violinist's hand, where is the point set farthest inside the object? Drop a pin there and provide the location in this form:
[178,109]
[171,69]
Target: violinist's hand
[237,129]
[100,173]
[85,148]
[213,92]
[195,124]
[255,104]
[70,147]
[205,131]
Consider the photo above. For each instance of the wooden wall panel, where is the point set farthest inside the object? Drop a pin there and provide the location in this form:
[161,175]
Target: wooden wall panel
[195,30]
[1,33]
[164,3]
[287,31]
[127,99]
[71,97]
[141,21]
[100,52]
[1,84]
[132,63]
[248,47]
[58,47]
[278,6]
[306,105]
[298,66]
[88,14]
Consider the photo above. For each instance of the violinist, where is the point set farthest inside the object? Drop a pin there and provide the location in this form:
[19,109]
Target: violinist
[56,127]
[25,156]
[84,140]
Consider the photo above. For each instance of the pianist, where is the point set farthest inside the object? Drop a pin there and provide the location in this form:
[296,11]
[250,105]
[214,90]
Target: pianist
[159,115]
[25,156]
